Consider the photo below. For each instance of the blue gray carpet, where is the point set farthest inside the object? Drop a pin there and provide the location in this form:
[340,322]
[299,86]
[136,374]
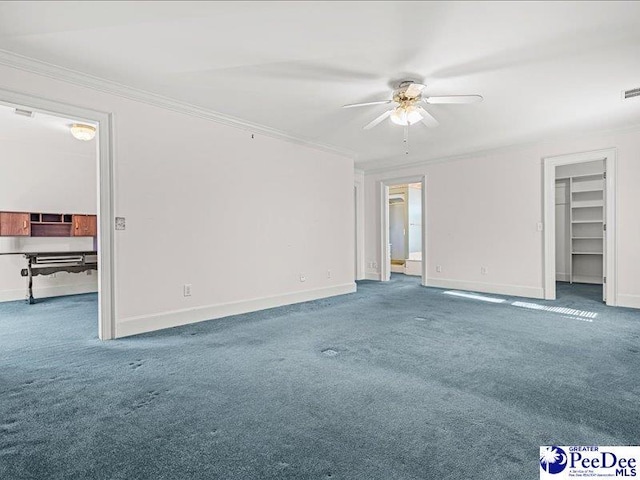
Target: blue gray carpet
[396,381]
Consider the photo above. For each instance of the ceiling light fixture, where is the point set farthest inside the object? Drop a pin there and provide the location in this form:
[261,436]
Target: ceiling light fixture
[83,132]
[405,115]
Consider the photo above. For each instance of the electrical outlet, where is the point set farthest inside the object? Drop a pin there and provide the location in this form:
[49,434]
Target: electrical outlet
[483,270]
[186,290]
[303,278]
[374,265]
[328,273]
[439,268]
[539,226]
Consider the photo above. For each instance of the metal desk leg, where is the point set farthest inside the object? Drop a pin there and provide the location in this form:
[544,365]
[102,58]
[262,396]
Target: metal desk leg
[30,299]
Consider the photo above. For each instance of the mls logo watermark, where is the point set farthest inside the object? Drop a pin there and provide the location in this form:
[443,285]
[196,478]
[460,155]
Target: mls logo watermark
[559,463]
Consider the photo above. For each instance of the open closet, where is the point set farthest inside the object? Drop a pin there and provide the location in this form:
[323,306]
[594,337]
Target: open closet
[580,222]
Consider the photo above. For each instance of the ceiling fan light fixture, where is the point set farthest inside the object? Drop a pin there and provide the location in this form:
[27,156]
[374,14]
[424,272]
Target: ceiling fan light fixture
[83,132]
[405,115]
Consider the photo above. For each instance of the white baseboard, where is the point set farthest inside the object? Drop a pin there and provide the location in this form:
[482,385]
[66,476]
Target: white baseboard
[150,323]
[372,276]
[626,300]
[563,277]
[46,292]
[502,289]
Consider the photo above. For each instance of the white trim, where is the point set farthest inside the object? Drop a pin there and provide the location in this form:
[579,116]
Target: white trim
[380,166]
[502,289]
[383,207]
[627,300]
[549,259]
[149,323]
[372,276]
[563,277]
[45,292]
[104,143]
[75,77]
[359,225]
[384,263]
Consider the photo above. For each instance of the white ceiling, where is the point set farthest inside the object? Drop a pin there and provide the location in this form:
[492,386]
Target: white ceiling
[544,68]
[48,131]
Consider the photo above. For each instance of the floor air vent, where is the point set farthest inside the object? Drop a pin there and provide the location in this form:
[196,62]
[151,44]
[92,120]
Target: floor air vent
[634,92]
[330,352]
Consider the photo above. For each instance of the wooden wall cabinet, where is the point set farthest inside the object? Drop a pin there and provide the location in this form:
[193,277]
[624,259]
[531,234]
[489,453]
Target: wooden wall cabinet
[84,226]
[18,224]
[14,224]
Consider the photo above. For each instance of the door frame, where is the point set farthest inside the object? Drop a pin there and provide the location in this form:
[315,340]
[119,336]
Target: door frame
[385,258]
[611,262]
[104,150]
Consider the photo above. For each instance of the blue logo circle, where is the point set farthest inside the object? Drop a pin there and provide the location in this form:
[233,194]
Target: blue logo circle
[553,459]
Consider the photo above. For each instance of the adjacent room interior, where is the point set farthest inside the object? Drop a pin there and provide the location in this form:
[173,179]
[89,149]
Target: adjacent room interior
[48,220]
[317,240]
[405,229]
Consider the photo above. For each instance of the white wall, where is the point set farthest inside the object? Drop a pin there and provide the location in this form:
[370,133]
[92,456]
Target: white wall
[178,179]
[482,210]
[44,176]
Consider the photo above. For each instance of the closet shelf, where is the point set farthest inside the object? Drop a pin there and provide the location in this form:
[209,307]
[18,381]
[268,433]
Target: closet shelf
[587,204]
[586,253]
[589,190]
[587,238]
[587,221]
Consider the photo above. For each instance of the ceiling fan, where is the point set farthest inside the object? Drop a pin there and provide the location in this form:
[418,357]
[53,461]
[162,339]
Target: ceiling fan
[409,110]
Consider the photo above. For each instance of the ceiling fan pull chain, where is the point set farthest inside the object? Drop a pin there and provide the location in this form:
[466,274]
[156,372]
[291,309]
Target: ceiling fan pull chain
[406,139]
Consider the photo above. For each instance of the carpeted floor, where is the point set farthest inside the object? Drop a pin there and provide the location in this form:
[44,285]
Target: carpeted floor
[396,381]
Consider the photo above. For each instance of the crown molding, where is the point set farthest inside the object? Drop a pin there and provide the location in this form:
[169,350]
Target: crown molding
[383,166]
[86,80]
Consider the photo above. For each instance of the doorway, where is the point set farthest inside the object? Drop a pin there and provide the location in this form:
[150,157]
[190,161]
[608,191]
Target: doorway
[403,239]
[103,239]
[579,245]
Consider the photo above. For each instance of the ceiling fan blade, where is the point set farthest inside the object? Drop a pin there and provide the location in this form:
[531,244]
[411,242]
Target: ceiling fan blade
[427,118]
[414,90]
[454,99]
[381,102]
[377,120]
